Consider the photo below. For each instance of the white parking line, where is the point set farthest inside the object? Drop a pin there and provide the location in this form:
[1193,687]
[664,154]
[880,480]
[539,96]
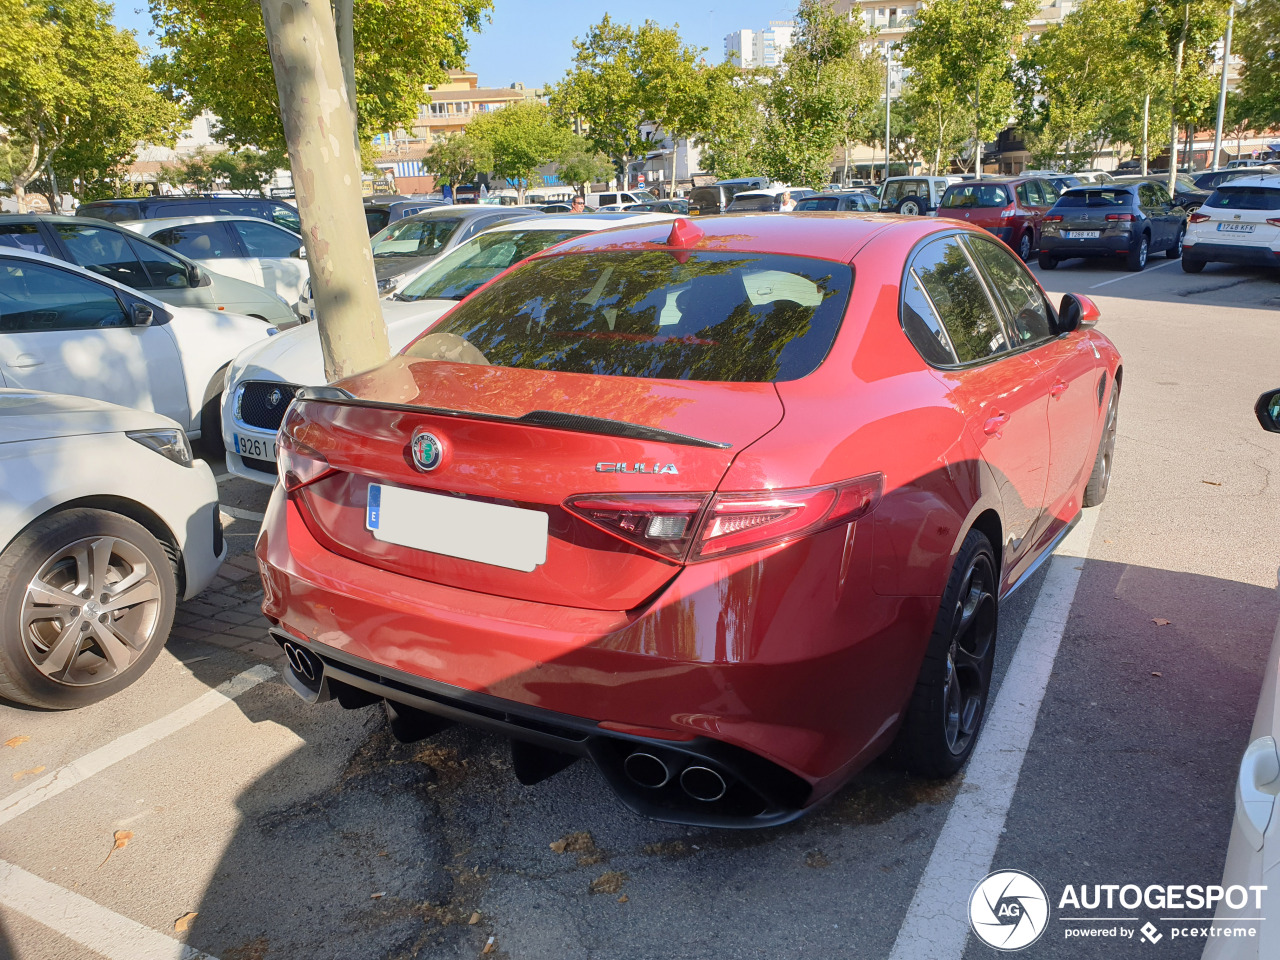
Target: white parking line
[64,778]
[937,925]
[88,924]
[239,514]
[1130,276]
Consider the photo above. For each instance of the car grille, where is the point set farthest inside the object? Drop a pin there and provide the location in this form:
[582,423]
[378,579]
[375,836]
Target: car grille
[263,405]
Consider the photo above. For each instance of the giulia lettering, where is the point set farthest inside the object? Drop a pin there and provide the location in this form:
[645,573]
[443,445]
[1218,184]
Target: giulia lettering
[603,467]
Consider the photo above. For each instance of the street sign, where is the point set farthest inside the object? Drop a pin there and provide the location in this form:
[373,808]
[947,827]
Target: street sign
[640,180]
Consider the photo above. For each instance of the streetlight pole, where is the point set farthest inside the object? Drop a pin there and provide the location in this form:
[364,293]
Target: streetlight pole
[1222,90]
[888,82]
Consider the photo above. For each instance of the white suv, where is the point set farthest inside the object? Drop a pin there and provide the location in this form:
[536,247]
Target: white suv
[1239,223]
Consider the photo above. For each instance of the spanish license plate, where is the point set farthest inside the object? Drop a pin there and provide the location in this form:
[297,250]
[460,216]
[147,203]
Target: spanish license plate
[453,527]
[255,447]
[1082,234]
[1235,227]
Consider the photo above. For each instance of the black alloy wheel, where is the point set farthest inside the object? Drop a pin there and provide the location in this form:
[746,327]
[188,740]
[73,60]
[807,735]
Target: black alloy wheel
[1137,258]
[1100,479]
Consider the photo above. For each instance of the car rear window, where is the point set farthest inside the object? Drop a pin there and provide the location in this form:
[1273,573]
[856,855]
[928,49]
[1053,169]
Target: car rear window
[1100,197]
[679,315]
[819,203]
[973,195]
[1244,198]
[759,202]
[111,212]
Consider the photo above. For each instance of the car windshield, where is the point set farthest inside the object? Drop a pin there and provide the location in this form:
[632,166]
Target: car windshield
[679,315]
[819,203]
[976,195]
[1096,197]
[895,190]
[376,218]
[1229,197]
[470,266]
[414,237]
[643,196]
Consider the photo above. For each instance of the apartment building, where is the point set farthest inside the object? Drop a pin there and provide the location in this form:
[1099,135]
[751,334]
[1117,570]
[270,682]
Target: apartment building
[760,48]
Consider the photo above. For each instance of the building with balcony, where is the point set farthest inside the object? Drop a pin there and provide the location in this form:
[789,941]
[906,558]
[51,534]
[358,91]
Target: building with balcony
[760,48]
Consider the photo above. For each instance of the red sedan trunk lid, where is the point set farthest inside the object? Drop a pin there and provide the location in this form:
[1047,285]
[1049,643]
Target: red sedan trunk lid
[581,434]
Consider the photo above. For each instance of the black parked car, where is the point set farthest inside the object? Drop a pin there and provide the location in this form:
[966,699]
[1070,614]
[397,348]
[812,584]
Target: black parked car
[380,211]
[1130,220]
[153,208]
[1186,195]
[1211,179]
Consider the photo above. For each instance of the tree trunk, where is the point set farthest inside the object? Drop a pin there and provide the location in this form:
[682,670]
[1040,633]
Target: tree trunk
[25,176]
[1146,123]
[320,133]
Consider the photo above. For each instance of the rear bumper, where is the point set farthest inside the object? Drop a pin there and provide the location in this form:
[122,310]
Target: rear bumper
[1254,256]
[1064,249]
[786,691]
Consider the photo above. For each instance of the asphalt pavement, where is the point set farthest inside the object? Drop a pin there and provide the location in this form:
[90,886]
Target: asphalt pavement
[1129,668]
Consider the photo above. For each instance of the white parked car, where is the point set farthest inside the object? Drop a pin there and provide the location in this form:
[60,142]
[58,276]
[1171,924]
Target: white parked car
[246,248]
[66,330]
[622,198]
[264,378]
[1253,854]
[94,560]
[1239,223]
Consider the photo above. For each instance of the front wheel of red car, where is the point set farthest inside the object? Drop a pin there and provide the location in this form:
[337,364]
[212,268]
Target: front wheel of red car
[1025,245]
[950,698]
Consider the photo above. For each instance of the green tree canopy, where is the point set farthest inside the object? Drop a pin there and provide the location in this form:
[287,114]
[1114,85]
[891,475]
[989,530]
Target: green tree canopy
[214,56]
[1258,42]
[519,139]
[456,159]
[74,94]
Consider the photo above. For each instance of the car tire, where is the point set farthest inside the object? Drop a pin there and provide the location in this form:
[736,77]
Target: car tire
[107,651]
[1175,252]
[1047,261]
[211,416]
[1095,490]
[1026,244]
[1192,266]
[1137,258]
[910,206]
[945,712]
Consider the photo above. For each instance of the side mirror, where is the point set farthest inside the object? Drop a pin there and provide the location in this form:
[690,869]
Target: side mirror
[1268,411]
[193,275]
[1077,312]
[300,253]
[141,314]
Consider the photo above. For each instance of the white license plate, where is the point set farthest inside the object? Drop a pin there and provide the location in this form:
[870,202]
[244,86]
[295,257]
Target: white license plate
[255,447]
[467,529]
[1236,227]
[1082,234]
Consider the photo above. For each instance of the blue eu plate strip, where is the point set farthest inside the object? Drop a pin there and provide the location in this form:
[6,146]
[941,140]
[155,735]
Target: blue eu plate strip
[375,506]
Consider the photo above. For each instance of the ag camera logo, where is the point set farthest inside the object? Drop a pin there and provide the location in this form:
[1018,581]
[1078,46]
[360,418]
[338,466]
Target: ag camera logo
[1008,910]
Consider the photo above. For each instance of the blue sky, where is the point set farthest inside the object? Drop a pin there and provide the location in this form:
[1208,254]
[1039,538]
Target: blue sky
[532,41]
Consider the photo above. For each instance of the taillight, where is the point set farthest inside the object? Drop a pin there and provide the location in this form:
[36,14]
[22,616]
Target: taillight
[1274,221]
[686,527]
[1007,212]
[298,463]
[1053,218]
[1202,217]
[1125,217]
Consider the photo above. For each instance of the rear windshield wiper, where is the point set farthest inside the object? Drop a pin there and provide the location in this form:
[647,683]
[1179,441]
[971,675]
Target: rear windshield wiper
[550,419]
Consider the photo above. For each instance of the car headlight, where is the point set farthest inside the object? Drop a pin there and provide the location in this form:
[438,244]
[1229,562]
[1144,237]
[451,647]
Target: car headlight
[169,442]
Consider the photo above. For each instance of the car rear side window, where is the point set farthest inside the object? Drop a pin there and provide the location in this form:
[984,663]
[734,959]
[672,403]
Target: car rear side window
[957,293]
[679,315]
[262,239]
[1025,308]
[35,298]
[199,241]
[921,324]
[1244,198]
[23,236]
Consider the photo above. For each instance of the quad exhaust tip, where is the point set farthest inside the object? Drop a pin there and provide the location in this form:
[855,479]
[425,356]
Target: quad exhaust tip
[698,782]
[646,770]
[703,783]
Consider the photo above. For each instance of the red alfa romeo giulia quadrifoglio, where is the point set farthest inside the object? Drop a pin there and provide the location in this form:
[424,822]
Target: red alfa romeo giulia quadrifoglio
[728,507]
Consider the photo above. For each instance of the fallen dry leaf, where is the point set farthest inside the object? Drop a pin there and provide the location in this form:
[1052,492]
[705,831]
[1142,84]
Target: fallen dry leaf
[183,923]
[488,947]
[609,882]
[28,773]
[378,896]
[16,741]
[475,918]
[623,899]
[122,840]
[581,843]
[1156,673]
[1161,621]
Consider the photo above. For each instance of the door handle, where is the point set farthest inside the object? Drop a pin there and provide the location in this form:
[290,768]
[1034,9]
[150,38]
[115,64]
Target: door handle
[25,361]
[994,424]
[1058,389]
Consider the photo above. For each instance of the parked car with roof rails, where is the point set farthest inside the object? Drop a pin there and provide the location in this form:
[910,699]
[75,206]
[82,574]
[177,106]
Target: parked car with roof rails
[1239,223]
[112,250]
[1129,220]
[692,504]
[715,198]
[93,561]
[913,196]
[66,330]
[618,197]
[846,200]
[1186,195]
[261,382]
[245,248]
[1009,207]
[380,211]
[148,208]
[1211,179]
